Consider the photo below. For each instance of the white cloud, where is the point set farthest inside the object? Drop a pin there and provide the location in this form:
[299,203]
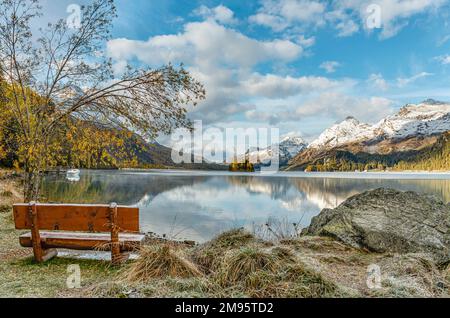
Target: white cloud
[279,15]
[273,86]
[225,61]
[395,14]
[346,16]
[378,82]
[443,40]
[306,42]
[338,105]
[343,22]
[444,59]
[306,11]
[330,104]
[404,81]
[330,66]
[203,43]
[276,23]
[219,57]
[220,14]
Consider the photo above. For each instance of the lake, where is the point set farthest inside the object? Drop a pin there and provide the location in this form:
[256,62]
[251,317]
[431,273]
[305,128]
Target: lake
[200,205]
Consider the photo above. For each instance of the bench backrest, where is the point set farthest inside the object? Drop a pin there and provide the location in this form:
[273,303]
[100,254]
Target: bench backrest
[78,218]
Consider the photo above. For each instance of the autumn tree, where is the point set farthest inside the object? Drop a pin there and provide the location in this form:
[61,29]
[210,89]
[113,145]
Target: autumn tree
[61,73]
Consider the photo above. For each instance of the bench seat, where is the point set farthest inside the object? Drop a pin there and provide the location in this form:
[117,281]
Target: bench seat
[83,241]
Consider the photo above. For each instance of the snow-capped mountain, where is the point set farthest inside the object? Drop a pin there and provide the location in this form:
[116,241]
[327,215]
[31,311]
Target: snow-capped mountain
[411,135]
[289,147]
[427,118]
[350,130]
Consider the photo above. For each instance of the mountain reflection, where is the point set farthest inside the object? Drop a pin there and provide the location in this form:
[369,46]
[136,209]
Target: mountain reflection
[198,207]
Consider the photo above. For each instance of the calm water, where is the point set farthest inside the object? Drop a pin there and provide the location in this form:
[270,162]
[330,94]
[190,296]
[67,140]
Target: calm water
[200,205]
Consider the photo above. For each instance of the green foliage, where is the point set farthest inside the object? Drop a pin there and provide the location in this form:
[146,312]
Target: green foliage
[343,165]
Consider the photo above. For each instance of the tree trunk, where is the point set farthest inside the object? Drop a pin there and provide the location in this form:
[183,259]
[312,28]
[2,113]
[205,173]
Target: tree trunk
[32,184]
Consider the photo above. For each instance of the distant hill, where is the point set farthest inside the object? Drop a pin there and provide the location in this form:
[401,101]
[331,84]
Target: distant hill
[155,155]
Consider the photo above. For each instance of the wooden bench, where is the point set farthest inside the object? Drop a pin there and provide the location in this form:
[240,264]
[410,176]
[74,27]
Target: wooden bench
[78,227]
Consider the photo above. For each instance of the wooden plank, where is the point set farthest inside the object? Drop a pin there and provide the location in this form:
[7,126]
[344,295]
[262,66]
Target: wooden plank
[84,241]
[72,217]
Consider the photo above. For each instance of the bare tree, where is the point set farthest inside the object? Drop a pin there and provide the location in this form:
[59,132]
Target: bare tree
[62,72]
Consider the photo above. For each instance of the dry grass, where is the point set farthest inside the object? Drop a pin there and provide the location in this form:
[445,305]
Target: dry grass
[238,264]
[245,267]
[206,256]
[160,261]
[413,275]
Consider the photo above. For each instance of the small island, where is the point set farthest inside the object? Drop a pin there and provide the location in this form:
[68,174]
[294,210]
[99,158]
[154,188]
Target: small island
[245,166]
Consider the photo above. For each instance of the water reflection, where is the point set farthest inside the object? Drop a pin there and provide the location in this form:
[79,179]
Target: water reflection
[198,207]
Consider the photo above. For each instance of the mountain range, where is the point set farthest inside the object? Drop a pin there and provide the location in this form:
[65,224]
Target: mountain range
[406,136]
[416,137]
[288,147]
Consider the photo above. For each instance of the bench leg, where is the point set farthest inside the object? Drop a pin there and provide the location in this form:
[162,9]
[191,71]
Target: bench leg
[116,257]
[35,236]
[40,255]
[49,254]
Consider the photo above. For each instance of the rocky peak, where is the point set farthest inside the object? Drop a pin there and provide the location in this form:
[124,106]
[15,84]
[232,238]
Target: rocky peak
[428,118]
[350,130]
[289,147]
[431,101]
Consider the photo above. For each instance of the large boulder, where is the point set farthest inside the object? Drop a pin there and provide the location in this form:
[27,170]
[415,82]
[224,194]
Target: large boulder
[386,220]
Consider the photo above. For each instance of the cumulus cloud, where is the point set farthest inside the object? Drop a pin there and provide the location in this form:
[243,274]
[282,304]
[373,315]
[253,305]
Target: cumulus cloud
[226,62]
[220,57]
[330,66]
[279,15]
[204,42]
[338,105]
[274,86]
[331,104]
[276,23]
[347,17]
[220,14]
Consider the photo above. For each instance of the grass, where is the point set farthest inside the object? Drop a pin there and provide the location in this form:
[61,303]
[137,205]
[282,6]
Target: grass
[237,265]
[206,256]
[24,278]
[160,261]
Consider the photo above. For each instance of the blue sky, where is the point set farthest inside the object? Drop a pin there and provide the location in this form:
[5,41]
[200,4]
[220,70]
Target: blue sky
[300,65]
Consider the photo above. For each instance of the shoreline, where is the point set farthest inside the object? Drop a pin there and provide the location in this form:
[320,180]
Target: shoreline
[298,174]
